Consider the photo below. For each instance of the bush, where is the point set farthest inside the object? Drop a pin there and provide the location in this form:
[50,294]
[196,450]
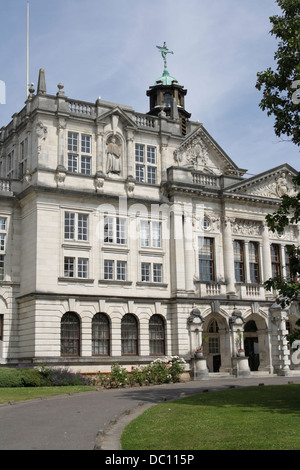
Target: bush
[62,377]
[160,371]
[10,378]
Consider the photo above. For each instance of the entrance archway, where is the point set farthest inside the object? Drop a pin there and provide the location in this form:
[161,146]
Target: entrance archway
[251,344]
[215,343]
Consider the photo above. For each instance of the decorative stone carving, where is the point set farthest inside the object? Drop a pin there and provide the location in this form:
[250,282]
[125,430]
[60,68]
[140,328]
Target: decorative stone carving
[99,181]
[275,188]
[113,151]
[246,227]
[130,185]
[195,154]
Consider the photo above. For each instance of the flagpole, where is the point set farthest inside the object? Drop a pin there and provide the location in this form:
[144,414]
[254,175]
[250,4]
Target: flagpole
[27,54]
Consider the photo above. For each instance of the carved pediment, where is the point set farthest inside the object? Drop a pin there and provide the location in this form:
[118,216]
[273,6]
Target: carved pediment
[199,152]
[271,185]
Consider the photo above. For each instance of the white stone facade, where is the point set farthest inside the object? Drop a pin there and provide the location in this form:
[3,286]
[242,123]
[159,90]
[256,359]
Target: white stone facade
[103,210]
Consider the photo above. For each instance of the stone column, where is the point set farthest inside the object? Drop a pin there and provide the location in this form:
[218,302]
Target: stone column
[280,352]
[188,249]
[228,257]
[177,250]
[266,254]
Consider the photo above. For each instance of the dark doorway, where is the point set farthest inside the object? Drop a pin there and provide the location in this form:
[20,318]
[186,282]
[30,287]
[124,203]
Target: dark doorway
[251,351]
[216,363]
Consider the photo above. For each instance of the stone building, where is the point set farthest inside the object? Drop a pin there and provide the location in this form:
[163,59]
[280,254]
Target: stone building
[125,237]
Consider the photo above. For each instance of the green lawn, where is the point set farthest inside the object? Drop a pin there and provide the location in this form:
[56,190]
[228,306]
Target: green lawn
[254,418]
[16,394]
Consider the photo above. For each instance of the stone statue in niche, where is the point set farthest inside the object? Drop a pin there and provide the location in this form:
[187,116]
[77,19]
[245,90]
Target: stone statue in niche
[113,151]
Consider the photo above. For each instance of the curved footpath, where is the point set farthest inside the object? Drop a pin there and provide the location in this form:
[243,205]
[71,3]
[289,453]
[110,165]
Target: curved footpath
[95,420]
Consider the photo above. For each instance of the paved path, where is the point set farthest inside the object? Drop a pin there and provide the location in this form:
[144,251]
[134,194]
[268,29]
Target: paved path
[75,422]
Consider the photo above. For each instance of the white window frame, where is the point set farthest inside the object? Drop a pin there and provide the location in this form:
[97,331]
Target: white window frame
[115,270]
[145,163]
[115,230]
[79,266]
[150,234]
[79,153]
[77,227]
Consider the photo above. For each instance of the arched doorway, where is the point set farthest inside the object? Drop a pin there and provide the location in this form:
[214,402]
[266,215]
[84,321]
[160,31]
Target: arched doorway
[251,344]
[214,344]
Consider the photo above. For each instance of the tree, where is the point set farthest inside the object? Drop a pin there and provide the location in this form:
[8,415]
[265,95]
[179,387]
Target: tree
[287,213]
[281,100]
[279,86]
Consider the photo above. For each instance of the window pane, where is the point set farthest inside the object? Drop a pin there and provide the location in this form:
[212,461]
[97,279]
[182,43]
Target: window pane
[151,155]
[72,163]
[206,260]
[82,227]
[157,272]
[86,165]
[139,153]
[1,267]
[100,335]
[151,175]
[146,272]
[129,335]
[69,264]
[108,230]
[121,270]
[156,335]
[238,251]
[140,173]
[70,335]
[108,269]
[121,231]
[145,233]
[83,268]
[72,142]
[156,234]
[86,144]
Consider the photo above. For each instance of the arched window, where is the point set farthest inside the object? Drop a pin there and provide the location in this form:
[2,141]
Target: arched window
[70,334]
[157,336]
[100,335]
[129,335]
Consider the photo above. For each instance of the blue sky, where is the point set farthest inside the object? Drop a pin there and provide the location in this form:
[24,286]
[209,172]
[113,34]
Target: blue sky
[108,49]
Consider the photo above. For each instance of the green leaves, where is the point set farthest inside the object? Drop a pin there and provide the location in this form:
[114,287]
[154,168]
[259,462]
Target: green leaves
[277,86]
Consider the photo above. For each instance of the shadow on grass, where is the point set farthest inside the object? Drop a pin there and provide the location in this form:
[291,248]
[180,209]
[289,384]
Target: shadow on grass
[283,399]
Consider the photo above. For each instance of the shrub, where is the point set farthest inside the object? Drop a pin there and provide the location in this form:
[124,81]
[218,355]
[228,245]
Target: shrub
[10,378]
[160,371]
[62,377]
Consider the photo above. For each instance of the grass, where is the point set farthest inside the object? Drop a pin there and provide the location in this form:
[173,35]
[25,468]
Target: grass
[16,394]
[254,418]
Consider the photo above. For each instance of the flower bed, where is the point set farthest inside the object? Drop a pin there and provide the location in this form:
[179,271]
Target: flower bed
[158,372]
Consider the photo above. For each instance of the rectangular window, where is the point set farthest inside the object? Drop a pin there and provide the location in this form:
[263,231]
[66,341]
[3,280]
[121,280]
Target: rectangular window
[145,164]
[253,262]
[115,270]
[108,269]
[238,252]
[287,264]
[157,272]
[69,266]
[115,230]
[1,267]
[275,260]
[79,153]
[146,272]
[150,234]
[83,268]
[121,270]
[206,259]
[76,226]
